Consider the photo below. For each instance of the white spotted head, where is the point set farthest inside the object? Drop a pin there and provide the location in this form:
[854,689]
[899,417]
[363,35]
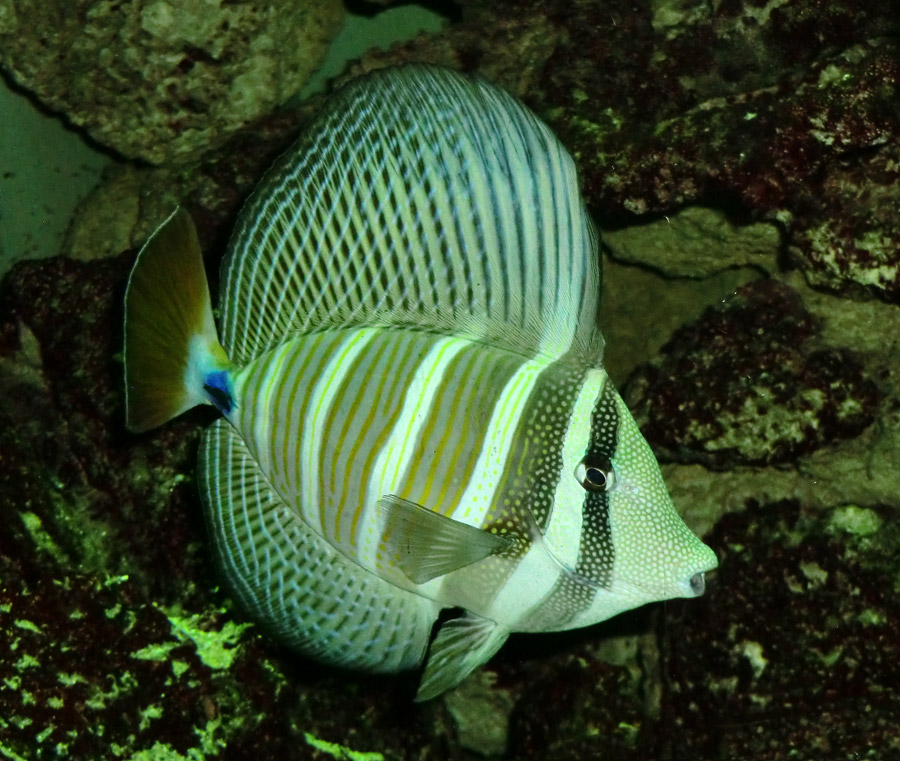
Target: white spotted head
[612,529]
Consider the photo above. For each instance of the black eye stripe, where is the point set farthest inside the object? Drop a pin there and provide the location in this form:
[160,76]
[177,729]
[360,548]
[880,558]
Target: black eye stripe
[595,472]
[604,427]
[596,553]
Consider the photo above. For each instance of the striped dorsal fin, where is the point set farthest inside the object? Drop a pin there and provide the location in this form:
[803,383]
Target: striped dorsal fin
[418,196]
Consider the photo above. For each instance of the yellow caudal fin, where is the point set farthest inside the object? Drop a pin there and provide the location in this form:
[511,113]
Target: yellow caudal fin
[173,359]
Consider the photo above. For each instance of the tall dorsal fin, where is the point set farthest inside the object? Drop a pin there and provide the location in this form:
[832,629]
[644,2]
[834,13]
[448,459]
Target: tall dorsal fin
[421,196]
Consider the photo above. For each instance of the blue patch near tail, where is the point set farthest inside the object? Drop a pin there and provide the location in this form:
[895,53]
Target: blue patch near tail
[217,386]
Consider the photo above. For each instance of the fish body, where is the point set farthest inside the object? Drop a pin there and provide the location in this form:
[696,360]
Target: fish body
[415,415]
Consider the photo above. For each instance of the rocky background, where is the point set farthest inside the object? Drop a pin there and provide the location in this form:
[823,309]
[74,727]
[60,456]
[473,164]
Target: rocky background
[742,157]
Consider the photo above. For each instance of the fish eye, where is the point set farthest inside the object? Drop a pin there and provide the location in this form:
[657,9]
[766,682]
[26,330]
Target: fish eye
[595,473]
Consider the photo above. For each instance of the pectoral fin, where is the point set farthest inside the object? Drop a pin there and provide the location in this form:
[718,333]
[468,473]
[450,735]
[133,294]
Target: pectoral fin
[425,544]
[461,646]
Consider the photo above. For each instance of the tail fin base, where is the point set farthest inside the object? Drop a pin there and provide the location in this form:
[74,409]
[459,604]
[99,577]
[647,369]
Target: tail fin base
[171,346]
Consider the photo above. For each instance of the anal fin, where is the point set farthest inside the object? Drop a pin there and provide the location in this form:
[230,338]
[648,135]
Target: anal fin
[425,544]
[296,585]
[461,645]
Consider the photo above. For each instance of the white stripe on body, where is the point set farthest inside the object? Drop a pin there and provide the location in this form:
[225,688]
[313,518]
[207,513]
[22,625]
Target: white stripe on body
[564,529]
[537,574]
[480,494]
[323,366]
[394,459]
[313,433]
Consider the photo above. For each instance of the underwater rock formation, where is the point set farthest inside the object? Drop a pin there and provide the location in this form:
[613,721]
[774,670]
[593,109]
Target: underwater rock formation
[782,113]
[161,81]
[754,107]
[695,242]
[846,235]
[787,114]
[748,384]
[800,646]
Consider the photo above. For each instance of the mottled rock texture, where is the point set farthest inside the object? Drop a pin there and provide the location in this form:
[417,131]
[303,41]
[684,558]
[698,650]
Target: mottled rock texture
[748,384]
[162,81]
[776,112]
[847,235]
[696,242]
[131,201]
[785,112]
[800,655]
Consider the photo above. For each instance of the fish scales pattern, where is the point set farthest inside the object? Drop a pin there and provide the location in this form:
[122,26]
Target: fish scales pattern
[376,403]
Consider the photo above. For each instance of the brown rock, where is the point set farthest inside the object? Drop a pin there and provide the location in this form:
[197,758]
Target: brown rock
[161,81]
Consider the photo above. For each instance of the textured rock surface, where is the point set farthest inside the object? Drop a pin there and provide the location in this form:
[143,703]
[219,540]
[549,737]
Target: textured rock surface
[784,112]
[863,469]
[132,201]
[158,80]
[773,111]
[747,384]
[797,645]
[696,242]
[799,639]
[847,237]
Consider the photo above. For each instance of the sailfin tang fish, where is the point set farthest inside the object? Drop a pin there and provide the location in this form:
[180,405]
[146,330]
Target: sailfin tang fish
[415,414]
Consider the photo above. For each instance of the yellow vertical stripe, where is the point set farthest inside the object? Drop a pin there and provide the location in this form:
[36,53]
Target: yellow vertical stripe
[393,401]
[314,432]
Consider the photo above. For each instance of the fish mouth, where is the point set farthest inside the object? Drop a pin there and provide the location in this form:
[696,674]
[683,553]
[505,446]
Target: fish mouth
[693,582]
[683,587]
[686,586]
[697,584]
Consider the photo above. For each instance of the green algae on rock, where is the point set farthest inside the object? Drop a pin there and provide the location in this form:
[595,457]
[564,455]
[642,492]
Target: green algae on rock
[847,233]
[76,687]
[122,646]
